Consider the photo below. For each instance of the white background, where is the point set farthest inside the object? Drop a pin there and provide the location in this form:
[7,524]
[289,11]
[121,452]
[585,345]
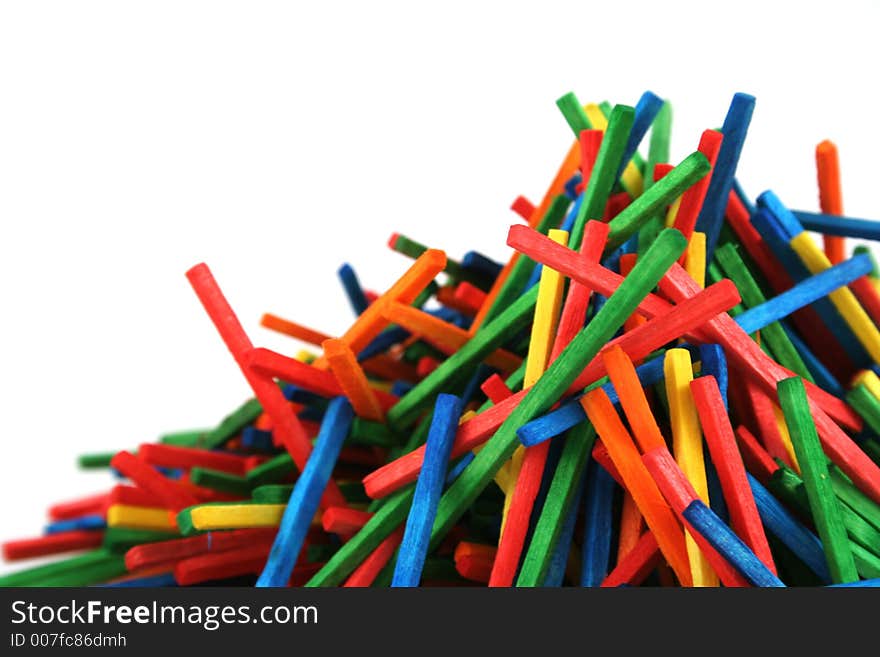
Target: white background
[276,140]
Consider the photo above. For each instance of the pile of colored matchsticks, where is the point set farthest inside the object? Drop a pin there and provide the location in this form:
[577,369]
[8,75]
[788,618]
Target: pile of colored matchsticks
[665,385]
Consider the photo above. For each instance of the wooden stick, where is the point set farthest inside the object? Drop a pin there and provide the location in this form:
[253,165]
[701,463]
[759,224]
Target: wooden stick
[687,442]
[788,529]
[692,199]
[474,561]
[829,224]
[343,520]
[632,526]
[141,517]
[695,258]
[446,337]
[635,567]
[171,551]
[830,197]
[756,458]
[632,398]
[823,502]
[598,520]
[722,538]
[604,171]
[352,380]
[577,300]
[230,563]
[172,456]
[414,546]
[306,495]
[744,516]
[171,493]
[367,572]
[736,125]
[71,541]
